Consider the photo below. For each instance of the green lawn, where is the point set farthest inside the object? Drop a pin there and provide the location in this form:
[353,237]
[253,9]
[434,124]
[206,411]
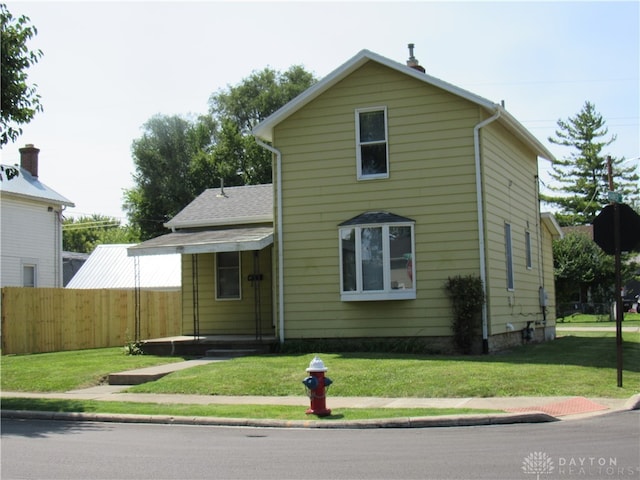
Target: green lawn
[576,364]
[277,412]
[63,371]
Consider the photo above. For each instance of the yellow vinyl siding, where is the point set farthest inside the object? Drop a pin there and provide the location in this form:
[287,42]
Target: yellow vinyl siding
[509,184]
[222,317]
[431,180]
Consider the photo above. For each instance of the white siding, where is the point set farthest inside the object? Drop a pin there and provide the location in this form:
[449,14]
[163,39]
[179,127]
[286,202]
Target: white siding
[31,234]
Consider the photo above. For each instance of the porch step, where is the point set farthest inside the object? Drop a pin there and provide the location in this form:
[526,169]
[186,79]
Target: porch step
[234,352]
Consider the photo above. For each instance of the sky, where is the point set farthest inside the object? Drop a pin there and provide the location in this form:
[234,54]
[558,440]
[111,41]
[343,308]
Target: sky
[108,67]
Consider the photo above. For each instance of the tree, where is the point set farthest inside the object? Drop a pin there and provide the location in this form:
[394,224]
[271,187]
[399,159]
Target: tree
[84,233]
[584,273]
[172,167]
[19,100]
[178,158]
[240,108]
[583,176]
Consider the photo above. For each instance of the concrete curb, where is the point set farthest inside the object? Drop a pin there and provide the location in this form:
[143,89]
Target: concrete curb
[399,422]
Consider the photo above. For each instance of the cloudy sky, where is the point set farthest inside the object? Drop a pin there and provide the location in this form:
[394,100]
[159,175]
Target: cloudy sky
[110,66]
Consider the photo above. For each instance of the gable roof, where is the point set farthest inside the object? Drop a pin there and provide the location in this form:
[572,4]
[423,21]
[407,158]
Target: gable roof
[264,129]
[229,206]
[109,266]
[27,186]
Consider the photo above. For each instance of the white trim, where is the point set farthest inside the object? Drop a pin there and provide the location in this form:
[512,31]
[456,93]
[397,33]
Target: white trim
[359,143]
[264,129]
[227,299]
[508,250]
[387,293]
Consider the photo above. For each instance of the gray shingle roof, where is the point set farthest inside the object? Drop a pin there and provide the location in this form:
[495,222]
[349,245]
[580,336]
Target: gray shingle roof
[238,206]
[369,218]
[26,185]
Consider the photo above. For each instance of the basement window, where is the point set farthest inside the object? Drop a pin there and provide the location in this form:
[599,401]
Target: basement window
[377,258]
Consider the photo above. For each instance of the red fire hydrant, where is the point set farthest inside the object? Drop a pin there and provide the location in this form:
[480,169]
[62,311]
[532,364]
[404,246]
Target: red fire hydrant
[316,384]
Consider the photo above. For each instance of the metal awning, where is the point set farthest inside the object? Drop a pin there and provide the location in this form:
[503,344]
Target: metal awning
[207,241]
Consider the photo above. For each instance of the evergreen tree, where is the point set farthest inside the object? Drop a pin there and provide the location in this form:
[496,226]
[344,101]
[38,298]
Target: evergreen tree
[583,176]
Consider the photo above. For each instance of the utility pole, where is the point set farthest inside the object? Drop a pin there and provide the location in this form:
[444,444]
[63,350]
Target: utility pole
[618,274]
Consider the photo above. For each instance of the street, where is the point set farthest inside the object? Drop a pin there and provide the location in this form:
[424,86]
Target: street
[605,446]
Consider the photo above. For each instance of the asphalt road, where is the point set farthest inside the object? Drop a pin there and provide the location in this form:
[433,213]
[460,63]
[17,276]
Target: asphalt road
[606,446]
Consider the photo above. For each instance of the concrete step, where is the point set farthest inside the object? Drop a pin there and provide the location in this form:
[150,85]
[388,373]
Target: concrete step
[233,352]
[150,374]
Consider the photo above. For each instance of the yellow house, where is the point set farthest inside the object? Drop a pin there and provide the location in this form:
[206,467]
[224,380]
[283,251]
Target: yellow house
[387,181]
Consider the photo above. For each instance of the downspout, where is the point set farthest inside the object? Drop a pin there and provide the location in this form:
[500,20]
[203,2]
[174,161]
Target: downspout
[481,239]
[278,155]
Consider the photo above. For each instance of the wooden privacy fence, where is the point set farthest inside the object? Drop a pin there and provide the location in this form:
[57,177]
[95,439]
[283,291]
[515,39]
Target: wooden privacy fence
[36,320]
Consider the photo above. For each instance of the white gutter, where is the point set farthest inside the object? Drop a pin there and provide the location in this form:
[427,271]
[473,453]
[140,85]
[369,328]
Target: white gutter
[481,239]
[278,155]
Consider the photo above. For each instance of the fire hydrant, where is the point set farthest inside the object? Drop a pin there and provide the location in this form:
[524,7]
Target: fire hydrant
[316,384]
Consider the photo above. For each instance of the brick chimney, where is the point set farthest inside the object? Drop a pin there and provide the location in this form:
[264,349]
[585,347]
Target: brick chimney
[29,159]
[412,62]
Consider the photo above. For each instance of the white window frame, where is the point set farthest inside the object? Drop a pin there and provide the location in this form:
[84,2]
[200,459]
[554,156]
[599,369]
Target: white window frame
[217,273]
[508,244]
[387,293]
[359,144]
[527,247]
[34,269]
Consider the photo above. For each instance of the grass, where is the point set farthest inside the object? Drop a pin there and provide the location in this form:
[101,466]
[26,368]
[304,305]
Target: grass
[277,412]
[577,363]
[571,365]
[630,320]
[63,371]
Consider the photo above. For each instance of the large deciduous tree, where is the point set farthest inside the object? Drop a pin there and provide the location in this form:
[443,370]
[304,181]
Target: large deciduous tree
[239,108]
[172,167]
[19,100]
[177,158]
[582,177]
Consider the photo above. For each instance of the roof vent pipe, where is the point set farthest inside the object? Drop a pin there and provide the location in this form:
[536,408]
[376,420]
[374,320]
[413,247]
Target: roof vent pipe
[412,62]
[222,194]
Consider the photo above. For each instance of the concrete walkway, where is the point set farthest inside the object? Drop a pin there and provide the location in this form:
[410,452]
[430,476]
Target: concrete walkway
[517,409]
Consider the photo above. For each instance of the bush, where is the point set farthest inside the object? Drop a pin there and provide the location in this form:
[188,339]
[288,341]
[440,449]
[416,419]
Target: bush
[467,297]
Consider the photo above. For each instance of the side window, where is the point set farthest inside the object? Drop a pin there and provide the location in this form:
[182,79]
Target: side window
[377,262]
[372,151]
[28,275]
[509,255]
[228,276]
[527,248]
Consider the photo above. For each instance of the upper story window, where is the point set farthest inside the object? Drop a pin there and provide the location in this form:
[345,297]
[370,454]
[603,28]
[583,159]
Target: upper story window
[228,275]
[376,258]
[372,151]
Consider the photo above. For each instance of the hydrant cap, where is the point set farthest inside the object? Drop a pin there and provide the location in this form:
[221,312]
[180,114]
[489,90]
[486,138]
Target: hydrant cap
[316,365]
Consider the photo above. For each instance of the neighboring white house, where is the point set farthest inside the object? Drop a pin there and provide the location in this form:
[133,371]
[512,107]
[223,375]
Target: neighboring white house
[30,226]
[109,267]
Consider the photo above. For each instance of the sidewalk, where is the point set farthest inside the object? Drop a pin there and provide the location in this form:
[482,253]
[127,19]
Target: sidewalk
[517,409]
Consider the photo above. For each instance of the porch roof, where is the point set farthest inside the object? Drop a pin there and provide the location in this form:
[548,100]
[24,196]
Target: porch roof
[206,241]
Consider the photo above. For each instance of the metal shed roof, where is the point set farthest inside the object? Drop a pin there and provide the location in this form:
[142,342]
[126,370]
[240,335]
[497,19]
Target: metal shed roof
[110,267]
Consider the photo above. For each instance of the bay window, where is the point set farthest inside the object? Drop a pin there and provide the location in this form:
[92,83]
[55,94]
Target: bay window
[376,259]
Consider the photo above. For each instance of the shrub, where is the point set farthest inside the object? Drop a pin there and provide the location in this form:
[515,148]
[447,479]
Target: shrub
[467,297]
